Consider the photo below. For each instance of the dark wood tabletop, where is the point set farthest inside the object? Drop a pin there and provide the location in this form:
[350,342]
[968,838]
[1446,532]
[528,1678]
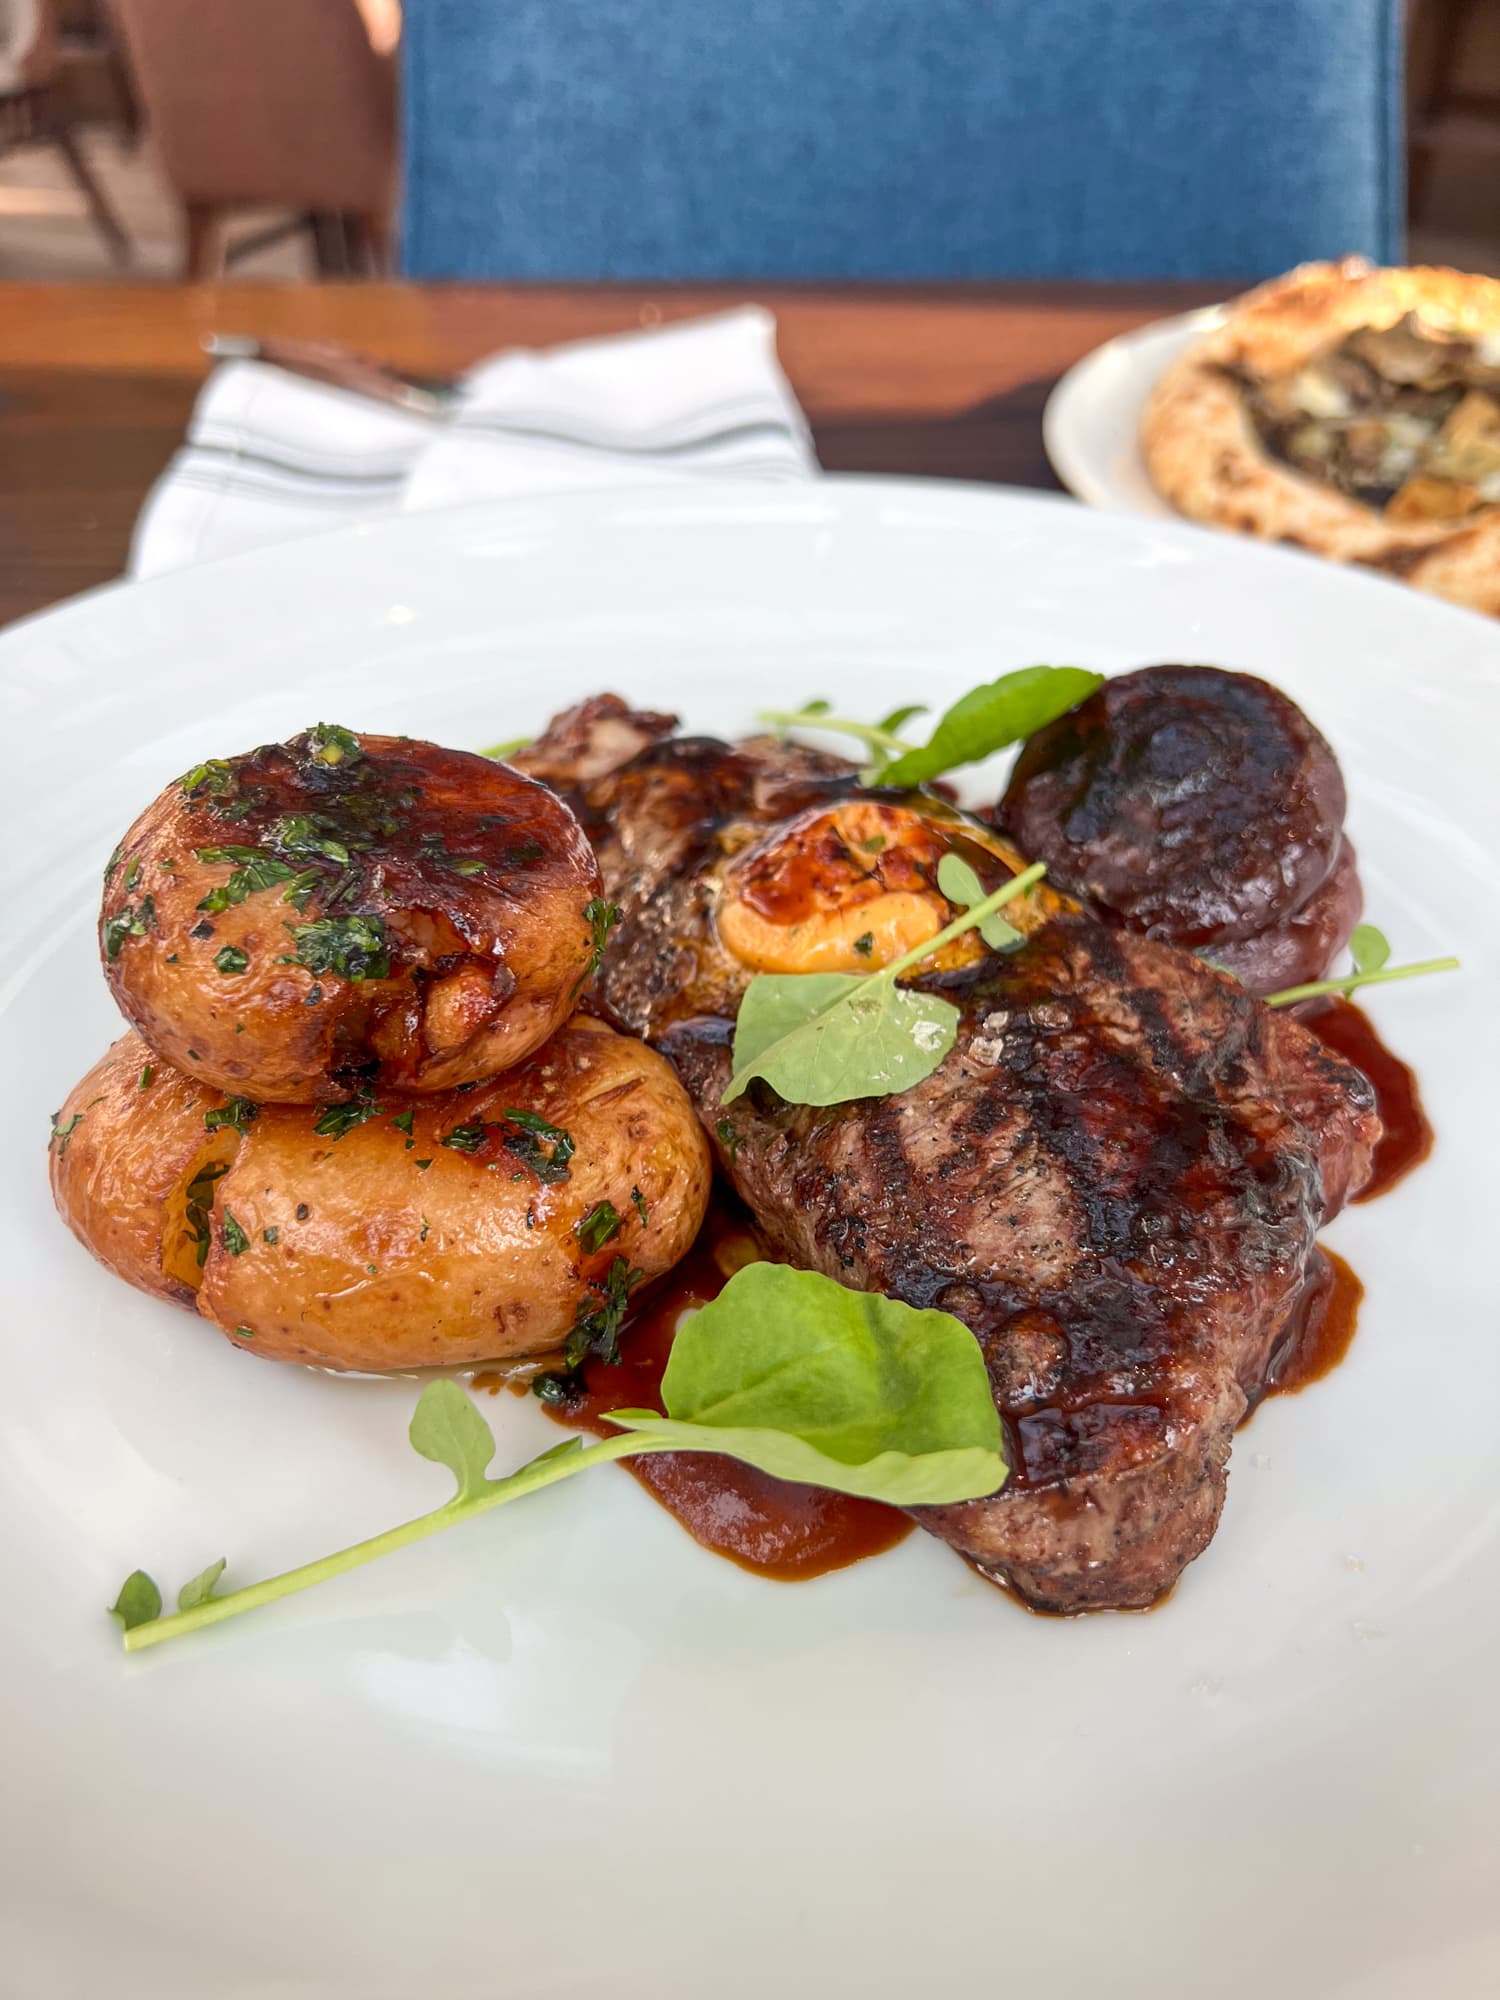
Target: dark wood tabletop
[96,381]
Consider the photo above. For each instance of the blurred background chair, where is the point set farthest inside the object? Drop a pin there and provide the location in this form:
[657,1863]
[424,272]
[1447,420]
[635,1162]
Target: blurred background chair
[1448,113]
[269,103]
[898,139]
[34,112]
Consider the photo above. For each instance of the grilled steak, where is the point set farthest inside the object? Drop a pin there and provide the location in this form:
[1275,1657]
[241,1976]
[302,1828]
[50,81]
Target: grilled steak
[1199,807]
[1115,1177]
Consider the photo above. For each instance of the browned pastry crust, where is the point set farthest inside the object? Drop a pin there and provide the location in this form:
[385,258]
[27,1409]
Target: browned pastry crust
[1205,456]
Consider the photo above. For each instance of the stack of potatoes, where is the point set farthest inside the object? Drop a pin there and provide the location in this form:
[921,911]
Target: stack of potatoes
[358,1120]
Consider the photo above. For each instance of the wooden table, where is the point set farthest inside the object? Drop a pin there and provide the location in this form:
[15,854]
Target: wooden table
[96,381]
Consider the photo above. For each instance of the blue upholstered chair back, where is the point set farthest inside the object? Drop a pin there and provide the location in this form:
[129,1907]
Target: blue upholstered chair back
[898,139]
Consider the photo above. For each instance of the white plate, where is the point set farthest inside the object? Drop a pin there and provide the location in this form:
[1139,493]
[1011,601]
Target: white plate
[563,1751]
[1092,423]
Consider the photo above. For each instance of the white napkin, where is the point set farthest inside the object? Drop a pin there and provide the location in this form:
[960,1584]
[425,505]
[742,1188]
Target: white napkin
[270,454]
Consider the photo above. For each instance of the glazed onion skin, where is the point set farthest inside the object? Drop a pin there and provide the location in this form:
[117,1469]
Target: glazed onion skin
[289,923]
[347,1251]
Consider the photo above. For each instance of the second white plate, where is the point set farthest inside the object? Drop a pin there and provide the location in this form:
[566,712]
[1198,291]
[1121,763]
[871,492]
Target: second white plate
[1091,425]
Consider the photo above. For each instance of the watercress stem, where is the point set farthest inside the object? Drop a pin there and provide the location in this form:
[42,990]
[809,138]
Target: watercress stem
[553,1465]
[865,732]
[1318,987]
[971,919]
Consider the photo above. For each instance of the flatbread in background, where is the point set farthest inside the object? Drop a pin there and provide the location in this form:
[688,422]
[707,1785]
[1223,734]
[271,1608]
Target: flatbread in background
[1206,457]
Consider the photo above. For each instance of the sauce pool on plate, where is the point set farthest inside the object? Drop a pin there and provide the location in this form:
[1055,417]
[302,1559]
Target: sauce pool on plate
[1406,1137]
[767,1525]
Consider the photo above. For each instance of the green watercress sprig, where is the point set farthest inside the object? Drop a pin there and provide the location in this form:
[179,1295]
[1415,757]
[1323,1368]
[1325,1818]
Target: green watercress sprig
[786,1371]
[830,1037]
[984,720]
[1370,950]
[963,888]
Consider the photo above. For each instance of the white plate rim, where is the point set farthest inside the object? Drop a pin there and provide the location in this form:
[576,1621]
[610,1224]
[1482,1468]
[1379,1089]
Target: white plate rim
[88,640]
[1108,388]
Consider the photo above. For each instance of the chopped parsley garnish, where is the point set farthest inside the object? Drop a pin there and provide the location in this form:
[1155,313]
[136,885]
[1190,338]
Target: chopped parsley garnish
[300,833]
[596,1330]
[200,1203]
[234,1239]
[329,744]
[230,959]
[555,1387]
[133,872]
[334,1120]
[203,930]
[127,923]
[601,917]
[61,1134]
[638,1203]
[598,1226]
[272,1235]
[145,1078]
[545,1149]
[236,1111]
[422,1232]
[212,776]
[463,1139]
[252,870]
[522,853]
[465,864]
[421,1165]
[865,944]
[353,947]
[403,1121]
[728,1137]
[300,888]
[112,864]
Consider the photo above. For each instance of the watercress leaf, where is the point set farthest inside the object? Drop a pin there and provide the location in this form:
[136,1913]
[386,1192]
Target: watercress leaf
[962,886]
[139,1601]
[199,1589]
[793,1373]
[447,1428]
[958,881]
[988,717]
[1369,948]
[830,1037]
[893,722]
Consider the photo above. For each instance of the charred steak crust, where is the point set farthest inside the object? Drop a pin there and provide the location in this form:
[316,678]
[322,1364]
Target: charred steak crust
[1186,803]
[1115,1179]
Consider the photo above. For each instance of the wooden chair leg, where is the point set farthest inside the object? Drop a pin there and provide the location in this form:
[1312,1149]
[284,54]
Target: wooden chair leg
[203,243]
[330,245]
[368,239]
[1435,31]
[107,222]
[378,236]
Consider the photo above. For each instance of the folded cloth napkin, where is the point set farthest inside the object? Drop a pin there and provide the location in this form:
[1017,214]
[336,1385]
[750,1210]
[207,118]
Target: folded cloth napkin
[271,454]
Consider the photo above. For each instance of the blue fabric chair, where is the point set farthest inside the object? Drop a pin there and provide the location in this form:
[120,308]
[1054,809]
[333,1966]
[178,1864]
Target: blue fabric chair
[899,139]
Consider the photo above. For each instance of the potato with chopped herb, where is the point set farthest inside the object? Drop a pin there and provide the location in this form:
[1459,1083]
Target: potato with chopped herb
[515,1218]
[335,909]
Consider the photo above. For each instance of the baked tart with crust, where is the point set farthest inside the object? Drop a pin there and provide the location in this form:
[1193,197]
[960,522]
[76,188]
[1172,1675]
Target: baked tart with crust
[1349,410]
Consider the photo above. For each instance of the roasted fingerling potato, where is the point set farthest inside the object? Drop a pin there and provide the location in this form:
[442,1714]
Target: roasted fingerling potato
[387,1231]
[296,922]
